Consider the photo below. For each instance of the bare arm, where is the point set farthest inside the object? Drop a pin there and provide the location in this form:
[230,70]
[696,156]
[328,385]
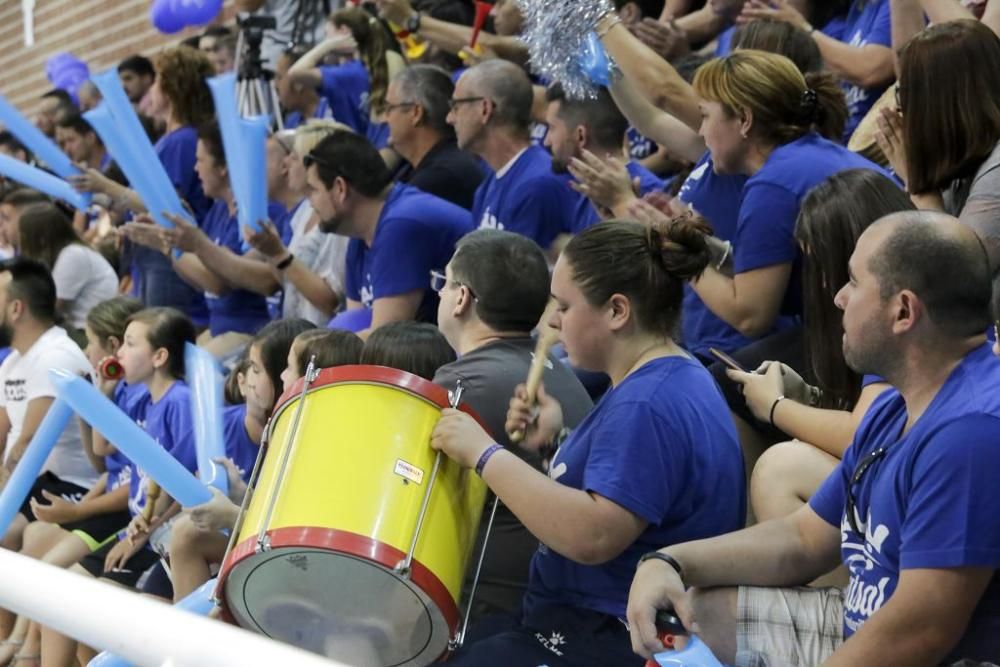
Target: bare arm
[829,430]
[748,301]
[306,70]
[702,25]
[679,139]
[237,271]
[867,66]
[33,416]
[316,290]
[398,308]
[650,73]
[248,5]
[907,21]
[903,633]
[194,273]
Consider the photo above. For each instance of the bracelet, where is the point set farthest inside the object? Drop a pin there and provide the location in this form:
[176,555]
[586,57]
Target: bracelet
[725,256]
[285,263]
[666,558]
[815,396]
[615,20]
[486,456]
[773,406]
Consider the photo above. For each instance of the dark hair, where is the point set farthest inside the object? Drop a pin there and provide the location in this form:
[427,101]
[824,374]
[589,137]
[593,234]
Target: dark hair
[781,38]
[951,114]
[331,347]
[65,99]
[509,275]
[231,393]
[168,328]
[44,231]
[13,144]
[181,73]
[431,87]
[226,42]
[109,318]
[373,42]
[950,275]
[210,135]
[647,264]
[20,197]
[605,123]
[831,219]
[510,90]
[273,342]
[31,282]
[77,123]
[141,65]
[354,159]
[786,104]
[216,31]
[414,347]
[650,8]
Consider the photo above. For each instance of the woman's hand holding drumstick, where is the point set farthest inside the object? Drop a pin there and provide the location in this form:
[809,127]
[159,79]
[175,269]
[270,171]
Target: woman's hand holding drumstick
[524,420]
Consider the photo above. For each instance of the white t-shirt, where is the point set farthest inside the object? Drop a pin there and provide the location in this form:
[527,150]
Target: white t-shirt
[83,278]
[325,254]
[24,378]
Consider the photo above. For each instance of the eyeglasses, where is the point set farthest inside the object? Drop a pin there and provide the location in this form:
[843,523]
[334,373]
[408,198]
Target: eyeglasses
[439,281]
[859,471]
[401,105]
[458,101]
[898,91]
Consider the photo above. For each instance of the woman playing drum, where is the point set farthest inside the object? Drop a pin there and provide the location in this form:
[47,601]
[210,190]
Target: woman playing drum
[657,460]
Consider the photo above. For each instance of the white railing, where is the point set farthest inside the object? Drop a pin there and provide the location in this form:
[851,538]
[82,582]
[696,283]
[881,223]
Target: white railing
[139,630]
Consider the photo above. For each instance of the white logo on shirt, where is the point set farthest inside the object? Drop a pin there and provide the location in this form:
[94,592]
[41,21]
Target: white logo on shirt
[368,292]
[863,599]
[489,221]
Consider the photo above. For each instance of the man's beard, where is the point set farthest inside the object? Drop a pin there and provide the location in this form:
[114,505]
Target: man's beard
[331,225]
[870,355]
[559,166]
[6,333]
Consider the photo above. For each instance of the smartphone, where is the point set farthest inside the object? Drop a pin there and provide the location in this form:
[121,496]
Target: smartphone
[727,360]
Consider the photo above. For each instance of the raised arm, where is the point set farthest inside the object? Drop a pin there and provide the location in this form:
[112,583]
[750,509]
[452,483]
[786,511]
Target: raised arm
[680,140]
[306,69]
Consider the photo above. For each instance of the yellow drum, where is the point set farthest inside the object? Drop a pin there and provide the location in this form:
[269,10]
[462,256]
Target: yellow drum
[352,546]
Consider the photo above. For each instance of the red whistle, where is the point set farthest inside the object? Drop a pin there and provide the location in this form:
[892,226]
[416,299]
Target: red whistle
[111,369]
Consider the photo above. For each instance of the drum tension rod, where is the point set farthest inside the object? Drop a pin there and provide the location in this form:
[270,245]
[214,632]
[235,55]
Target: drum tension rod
[403,567]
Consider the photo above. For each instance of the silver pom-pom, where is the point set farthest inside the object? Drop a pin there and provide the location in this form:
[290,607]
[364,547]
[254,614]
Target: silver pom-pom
[554,31]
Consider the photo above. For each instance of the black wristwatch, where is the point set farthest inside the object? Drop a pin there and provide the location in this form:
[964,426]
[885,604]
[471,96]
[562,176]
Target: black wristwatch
[413,23]
[666,558]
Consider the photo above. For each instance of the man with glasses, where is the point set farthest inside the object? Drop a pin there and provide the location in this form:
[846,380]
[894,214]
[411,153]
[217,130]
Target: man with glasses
[493,292]
[491,114]
[912,510]
[416,111]
[398,233]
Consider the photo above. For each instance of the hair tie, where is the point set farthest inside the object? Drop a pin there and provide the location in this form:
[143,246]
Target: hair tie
[809,103]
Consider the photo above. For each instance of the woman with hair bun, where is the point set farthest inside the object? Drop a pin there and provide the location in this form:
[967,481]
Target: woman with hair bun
[650,465]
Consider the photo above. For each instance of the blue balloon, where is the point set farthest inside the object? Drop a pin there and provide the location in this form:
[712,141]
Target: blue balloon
[196,12]
[36,142]
[205,381]
[695,654]
[104,416]
[42,181]
[164,18]
[199,602]
[354,320]
[594,61]
[30,466]
[147,175]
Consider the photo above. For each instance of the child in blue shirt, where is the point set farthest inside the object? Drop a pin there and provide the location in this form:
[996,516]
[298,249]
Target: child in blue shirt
[651,463]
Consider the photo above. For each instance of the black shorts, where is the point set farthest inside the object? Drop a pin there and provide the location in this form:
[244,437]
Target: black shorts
[47,481]
[98,530]
[128,576]
[158,582]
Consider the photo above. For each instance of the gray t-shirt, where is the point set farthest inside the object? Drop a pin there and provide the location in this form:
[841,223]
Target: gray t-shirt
[976,202]
[304,17]
[489,375]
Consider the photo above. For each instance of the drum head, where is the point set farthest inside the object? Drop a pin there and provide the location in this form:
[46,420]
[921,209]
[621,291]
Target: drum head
[337,605]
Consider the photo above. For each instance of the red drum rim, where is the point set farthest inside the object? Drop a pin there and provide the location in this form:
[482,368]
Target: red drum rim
[349,543]
[433,393]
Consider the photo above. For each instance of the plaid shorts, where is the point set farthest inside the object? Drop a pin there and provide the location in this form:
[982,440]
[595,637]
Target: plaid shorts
[793,627]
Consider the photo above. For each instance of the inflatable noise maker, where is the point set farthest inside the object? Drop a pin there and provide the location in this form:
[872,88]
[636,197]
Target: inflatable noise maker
[244,142]
[694,654]
[170,16]
[205,380]
[45,150]
[119,128]
[354,539]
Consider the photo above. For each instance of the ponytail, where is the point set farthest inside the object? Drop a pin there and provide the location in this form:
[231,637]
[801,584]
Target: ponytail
[373,42]
[829,113]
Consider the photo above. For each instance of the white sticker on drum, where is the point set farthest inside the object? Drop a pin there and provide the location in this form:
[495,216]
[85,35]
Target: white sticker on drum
[410,472]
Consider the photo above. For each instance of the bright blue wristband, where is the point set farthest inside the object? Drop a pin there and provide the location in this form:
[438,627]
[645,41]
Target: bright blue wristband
[490,451]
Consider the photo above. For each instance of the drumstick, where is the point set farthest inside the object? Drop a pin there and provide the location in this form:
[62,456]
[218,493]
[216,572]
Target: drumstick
[547,337]
[152,495]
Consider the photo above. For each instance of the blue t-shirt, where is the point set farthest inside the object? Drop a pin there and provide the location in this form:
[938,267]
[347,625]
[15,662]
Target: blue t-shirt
[724,42]
[765,229]
[239,447]
[639,147]
[654,445]
[416,233]
[130,399]
[867,22]
[238,310]
[378,134]
[168,422]
[929,502]
[528,198]
[294,118]
[715,197]
[585,215]
[345,88]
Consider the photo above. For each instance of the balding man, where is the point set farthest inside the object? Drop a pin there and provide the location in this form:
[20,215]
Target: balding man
[491,114]
[912,511]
